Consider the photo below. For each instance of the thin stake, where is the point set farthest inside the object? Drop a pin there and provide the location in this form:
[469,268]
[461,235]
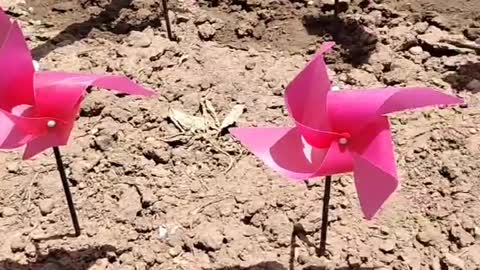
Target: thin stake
[326,202]
[167,20]
[66,188]
[336,8]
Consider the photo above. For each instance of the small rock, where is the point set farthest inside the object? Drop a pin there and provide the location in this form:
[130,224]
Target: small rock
[206,31]
[148,197]
[402,70]
[250,66]
[402,37]
[252,207]
[18,244]
[429,235]
[437,40]
[416,50]
[12,167]
[140,39]
[244,30]
[158,151]
[129,203]
[210,237]
[361,78]
[103,142]
[472,33]
[46,207]
[473,254]
[175,251]
[440,22]
[162,232]
[474,86]
[387,246]
[463,237]
[127,258]
[453,262]
[8,212]
[412,257]
[420,27]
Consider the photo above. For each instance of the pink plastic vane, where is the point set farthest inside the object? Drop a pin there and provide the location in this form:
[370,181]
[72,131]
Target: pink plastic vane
[38,109]
[339,132]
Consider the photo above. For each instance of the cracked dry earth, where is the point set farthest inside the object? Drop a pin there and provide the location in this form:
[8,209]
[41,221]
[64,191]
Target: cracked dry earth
[160,184]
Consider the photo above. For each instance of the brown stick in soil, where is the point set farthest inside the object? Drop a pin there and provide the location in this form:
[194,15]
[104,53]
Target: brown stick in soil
[66,188]
[167,20]
[326,203]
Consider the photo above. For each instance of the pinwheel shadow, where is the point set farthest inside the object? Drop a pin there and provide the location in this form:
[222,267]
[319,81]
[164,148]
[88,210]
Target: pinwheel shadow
[464,75]
[358,42]
[81,259]
[278,266]
[102,21]
[298,232]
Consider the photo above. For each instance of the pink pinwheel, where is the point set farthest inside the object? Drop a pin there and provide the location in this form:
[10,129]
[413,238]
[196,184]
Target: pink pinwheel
[38,109]
[339,132]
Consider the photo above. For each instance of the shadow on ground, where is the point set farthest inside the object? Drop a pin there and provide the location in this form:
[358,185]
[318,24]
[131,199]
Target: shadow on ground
[103,21]
[61,259]
[278,266]
[357,42]
[463,76]
[298,232]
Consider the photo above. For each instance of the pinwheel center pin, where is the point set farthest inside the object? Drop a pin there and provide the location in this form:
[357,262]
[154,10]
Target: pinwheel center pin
[51,124]
[344,138]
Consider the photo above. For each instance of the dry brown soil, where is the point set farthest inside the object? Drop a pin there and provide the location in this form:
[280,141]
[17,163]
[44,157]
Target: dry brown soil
[158,189]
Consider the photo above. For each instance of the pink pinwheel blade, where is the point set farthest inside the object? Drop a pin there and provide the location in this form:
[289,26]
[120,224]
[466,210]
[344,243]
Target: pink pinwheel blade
[11,135]
[16,85]
[284,150]
[115,83]
[287,158]
[351,111]
[306,95]
[374,167]
[57,136]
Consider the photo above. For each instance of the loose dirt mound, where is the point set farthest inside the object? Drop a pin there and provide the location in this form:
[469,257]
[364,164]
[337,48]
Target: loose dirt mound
[159,184]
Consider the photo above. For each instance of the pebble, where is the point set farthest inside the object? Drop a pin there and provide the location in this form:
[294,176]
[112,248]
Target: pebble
[210,237]
[18,244]
[162,232]
[206,31]
[453,262]
[463,237]
[46,207]
[387,246]
[474,86]
[175,251]
[140,39]
[416,50]
[429,235]
[8,212]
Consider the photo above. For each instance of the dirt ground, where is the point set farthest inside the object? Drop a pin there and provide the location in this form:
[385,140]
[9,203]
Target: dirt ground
[160,184]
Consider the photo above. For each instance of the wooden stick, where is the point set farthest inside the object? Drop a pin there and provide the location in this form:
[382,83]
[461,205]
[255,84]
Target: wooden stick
[66,188]
[167,20]
[326,203]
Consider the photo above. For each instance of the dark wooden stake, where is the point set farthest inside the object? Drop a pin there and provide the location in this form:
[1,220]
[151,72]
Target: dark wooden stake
[326,203]
[167,20]
[66,188]
[337,8]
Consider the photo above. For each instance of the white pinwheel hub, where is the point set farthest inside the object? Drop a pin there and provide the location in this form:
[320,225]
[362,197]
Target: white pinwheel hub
[51,124]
